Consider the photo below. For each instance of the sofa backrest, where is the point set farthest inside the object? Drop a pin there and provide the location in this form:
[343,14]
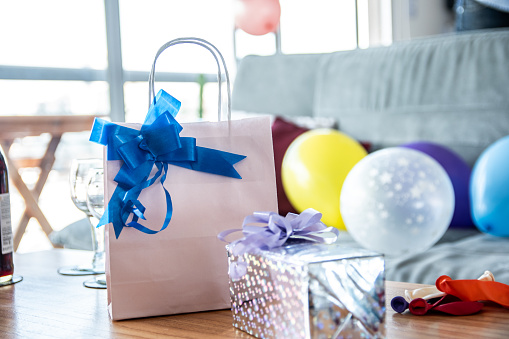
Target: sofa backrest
[451,89]
[277,84]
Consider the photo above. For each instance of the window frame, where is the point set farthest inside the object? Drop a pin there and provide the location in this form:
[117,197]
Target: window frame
[114,74]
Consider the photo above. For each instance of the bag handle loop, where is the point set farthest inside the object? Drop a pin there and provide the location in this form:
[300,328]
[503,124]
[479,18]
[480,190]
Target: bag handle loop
[215,52]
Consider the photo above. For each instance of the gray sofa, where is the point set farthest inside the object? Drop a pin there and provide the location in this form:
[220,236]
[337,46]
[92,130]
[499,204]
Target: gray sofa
[451,89]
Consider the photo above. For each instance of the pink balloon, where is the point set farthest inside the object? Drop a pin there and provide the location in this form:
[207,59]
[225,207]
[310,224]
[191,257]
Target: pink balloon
[258,17]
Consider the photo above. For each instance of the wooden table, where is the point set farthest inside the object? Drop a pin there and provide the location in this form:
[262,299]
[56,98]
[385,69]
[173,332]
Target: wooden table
[12,127]
[48,305]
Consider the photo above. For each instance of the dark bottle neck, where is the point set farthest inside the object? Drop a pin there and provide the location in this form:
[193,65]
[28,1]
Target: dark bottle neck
[4,178]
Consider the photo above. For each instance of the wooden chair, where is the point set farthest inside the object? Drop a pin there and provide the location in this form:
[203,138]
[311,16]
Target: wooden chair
[12,127]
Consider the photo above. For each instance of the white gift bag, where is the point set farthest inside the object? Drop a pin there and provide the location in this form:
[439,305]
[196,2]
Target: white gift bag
[183,268]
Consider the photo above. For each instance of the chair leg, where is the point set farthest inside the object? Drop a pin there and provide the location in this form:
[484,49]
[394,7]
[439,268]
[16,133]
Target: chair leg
[31,198]
[46,164]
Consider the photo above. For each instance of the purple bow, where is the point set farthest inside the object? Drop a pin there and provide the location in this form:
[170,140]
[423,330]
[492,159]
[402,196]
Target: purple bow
[275,233]
[278,229]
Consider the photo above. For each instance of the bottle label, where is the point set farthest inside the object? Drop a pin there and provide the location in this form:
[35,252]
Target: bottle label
[5,223]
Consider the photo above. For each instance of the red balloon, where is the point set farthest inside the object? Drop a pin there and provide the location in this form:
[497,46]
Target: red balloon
[258,17]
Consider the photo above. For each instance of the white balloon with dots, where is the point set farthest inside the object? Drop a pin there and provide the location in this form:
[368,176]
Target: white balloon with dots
[397,201]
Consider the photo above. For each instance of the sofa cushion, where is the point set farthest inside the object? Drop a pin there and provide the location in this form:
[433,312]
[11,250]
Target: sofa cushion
[451,89]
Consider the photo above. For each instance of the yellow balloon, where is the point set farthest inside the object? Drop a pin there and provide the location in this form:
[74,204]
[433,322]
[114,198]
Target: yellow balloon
[314,169]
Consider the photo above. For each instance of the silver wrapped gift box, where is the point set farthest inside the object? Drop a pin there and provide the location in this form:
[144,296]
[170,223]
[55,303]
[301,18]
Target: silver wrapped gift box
[309,290]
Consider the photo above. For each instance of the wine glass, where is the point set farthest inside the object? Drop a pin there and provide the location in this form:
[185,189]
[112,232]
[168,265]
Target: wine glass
[79,178]
[95,205]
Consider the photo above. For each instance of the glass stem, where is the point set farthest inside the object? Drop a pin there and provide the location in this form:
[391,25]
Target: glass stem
[97,244]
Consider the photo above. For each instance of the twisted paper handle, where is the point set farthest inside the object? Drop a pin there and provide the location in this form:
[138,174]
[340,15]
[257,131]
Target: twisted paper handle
[215,53]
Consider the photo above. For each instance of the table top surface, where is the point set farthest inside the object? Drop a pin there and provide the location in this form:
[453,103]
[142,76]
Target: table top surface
[48,305]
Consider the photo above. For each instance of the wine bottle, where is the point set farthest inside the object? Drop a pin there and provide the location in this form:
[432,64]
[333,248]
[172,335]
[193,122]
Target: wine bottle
[6,247]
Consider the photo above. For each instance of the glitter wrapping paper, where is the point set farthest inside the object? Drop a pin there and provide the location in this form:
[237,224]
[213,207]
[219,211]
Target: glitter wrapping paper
[309,290]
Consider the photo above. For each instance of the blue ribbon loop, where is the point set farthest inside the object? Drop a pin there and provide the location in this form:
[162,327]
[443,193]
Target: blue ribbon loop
[158,144]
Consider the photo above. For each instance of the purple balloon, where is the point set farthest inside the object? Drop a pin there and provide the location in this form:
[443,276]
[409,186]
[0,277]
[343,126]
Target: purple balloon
[459,173]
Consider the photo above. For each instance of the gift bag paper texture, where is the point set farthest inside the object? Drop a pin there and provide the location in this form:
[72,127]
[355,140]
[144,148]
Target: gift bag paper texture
[309,290]
[183,268]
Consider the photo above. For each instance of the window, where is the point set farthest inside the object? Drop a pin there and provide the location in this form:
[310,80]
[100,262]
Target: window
[58,63]
[146,26]
[317,26]
[40,39]
[54,61]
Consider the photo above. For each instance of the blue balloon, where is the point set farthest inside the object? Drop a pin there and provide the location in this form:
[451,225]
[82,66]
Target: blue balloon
[489,189]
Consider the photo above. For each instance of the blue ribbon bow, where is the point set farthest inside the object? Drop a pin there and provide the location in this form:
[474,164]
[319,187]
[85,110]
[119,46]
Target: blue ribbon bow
[158,144]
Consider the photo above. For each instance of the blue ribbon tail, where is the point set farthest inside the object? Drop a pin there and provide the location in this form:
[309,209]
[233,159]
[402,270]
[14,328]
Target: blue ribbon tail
[105,219]
[123,203]
[213,161]
[113,212]
[169,213]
